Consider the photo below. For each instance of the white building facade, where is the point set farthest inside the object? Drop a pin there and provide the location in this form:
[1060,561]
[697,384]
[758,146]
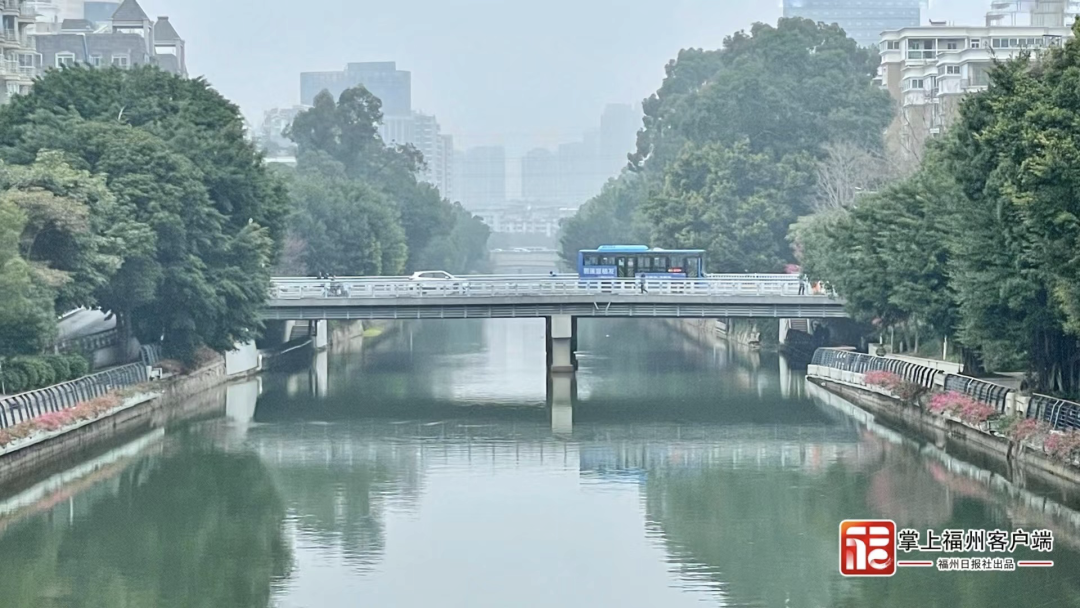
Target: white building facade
[928,69]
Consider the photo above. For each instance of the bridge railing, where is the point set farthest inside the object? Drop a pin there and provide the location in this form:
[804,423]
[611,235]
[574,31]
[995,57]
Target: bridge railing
[543,285]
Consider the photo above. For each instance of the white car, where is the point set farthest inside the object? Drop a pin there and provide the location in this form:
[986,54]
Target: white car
[437,280]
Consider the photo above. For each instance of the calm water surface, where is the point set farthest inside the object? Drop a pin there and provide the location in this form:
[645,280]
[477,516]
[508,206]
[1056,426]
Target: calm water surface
[438,468]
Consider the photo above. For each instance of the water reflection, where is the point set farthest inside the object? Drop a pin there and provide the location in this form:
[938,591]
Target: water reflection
[440,467]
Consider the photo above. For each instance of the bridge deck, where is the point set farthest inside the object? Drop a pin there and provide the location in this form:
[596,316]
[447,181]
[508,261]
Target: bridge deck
[502,297]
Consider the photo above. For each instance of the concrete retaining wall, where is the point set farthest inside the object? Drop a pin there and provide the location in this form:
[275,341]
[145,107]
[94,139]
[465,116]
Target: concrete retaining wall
[941,430]
[168,400]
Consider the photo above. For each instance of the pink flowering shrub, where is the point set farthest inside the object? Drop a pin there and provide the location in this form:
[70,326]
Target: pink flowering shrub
[882,379]
[54,421]
[1063,446]
[963,407]
[1026,429]
[903,389]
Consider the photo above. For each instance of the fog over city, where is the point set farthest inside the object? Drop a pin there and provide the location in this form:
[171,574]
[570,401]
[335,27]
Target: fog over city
[493,72]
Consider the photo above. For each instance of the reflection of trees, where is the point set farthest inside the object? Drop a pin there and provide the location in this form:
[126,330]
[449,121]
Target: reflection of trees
[202,529]
[765,536]
[336,483]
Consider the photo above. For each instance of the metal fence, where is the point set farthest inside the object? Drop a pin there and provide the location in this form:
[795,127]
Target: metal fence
[994,395]
[862,363]
[1059,413]
[31,404]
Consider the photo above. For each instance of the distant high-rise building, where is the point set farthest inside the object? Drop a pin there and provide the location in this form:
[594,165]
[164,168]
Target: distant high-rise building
[540,175]
[422,131]
[483,177]
[577,172]
[392,86]
[863,20]
[618,136]
[270,135]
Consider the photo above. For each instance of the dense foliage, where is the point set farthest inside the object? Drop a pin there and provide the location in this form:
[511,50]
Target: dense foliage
[360,207]
[141,195]
[26,373]
[981,243]
[725,160]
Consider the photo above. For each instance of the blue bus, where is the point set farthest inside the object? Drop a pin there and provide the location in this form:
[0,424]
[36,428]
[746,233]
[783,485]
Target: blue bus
[631,261]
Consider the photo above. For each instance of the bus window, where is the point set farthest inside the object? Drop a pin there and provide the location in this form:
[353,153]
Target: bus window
[693,265]
[660,264]
[592,260]
[607,260]
[644,263]
[621,267]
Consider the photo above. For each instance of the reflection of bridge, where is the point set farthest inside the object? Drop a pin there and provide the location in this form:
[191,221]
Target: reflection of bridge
[560,300]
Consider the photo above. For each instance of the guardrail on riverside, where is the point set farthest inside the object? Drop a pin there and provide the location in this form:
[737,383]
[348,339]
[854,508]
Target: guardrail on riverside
[31,404]
[851,367]
[516,285]
[859,364]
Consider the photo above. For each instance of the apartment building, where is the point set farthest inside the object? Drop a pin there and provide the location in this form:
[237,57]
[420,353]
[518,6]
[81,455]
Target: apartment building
[130,38]
[18,61]
[927,71]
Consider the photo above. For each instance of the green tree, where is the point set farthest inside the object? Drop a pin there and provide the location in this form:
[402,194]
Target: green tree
[70,215]
[785,89]
[193,119]
[27,318]
[197,216]
[888,254]
[732,202]
[1014,152]
[609,218]
[341,138]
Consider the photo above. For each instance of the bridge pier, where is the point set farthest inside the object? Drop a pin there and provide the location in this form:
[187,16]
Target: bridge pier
[561,390]
[561,343]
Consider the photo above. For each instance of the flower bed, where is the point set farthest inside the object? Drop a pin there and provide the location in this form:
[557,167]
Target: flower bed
[962,407]
[54,421]
[904,390]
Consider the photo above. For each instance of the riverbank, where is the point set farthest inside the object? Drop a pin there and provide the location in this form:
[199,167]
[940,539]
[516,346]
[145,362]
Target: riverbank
[946,433]
[141,408]
[715,331]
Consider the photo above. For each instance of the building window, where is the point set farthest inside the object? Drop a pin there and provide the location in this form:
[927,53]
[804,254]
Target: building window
[121,61]
[892,45]
[95,60]
[65,59]
[915,83]
[976,43]
[952,69]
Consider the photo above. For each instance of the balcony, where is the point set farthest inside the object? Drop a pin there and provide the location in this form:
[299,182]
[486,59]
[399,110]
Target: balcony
[10,38]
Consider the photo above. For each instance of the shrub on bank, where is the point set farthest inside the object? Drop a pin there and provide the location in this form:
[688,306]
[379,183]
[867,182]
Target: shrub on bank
[963,407]
[905,390]
[1064,446]
[29,373]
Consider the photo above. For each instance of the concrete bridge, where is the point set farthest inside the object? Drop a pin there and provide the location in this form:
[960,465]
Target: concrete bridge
[560,300]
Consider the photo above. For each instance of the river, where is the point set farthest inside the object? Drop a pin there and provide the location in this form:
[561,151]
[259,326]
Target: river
[429,470]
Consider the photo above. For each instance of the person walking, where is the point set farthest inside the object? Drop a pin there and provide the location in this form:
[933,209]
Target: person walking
[641,283]
[802,284]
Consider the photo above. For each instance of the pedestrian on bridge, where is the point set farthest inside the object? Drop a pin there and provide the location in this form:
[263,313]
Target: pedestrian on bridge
[641,283]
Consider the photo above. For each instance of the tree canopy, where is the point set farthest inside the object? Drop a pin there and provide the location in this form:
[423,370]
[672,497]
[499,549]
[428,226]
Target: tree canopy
[360,206]
[729,144]
[141,195]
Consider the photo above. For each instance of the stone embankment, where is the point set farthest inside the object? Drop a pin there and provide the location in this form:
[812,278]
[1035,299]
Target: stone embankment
[1033,432]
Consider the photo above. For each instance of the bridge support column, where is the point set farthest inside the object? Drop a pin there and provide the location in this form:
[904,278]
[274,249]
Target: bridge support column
[561,397]
[560,342]
[319,336]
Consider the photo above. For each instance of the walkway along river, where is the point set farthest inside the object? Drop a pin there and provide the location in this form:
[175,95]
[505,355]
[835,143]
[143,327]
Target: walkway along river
[426,471]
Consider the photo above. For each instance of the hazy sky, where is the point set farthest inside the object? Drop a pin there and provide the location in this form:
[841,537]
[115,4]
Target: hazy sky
[492,71]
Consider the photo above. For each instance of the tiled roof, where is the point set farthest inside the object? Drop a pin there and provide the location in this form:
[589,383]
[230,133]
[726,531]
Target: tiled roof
[130,10]
[165,32]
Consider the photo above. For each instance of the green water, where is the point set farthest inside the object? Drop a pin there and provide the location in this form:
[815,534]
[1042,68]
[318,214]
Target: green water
[429,470]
